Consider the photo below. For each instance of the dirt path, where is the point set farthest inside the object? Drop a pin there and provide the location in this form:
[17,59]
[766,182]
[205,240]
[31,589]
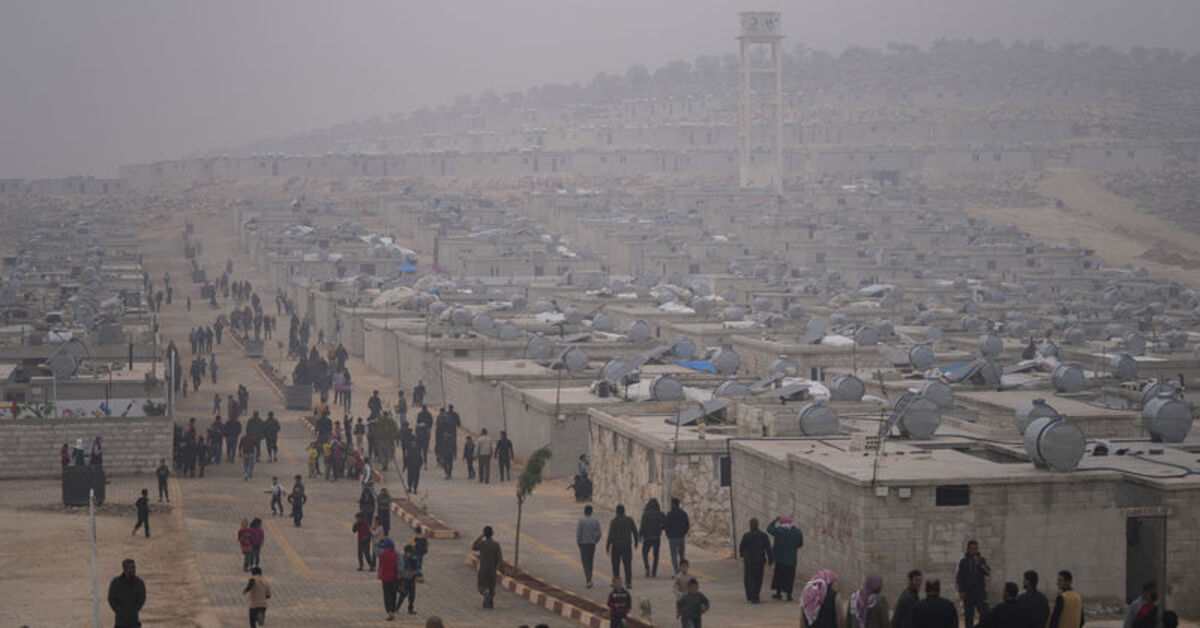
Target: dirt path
[1108,223]
[49,579]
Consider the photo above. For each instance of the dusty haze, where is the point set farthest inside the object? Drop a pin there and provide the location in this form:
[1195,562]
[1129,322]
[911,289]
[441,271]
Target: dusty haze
[85,86]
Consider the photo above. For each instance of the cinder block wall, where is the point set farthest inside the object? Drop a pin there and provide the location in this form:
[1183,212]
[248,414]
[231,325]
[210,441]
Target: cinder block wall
[30,449]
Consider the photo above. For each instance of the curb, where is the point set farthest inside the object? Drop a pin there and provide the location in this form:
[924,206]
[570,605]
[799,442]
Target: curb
[436,529]
[548,602]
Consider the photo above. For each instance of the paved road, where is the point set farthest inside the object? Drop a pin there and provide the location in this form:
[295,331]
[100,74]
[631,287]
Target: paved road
[313,569]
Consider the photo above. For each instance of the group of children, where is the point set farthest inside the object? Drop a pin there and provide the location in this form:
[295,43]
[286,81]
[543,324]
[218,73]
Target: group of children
[690,603]
[340,460]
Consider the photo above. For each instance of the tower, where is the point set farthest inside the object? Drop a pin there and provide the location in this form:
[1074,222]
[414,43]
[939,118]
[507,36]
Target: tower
[760,137]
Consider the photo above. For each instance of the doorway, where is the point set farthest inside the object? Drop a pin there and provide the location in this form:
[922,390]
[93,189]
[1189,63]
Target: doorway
[1145,554]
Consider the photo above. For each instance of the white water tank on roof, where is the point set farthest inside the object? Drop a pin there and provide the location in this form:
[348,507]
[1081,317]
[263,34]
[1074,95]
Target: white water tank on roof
[937,392]
[1067,378]
[1030,412]
[921,420]
[1166,418]
[817,419]
[847,387]
[1055,444]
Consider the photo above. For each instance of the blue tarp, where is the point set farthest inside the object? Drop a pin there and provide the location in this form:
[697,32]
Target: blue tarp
[703,366]
[406,267]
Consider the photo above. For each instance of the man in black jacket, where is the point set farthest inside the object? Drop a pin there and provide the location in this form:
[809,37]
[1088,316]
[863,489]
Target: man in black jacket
[271,429]
[233,429]
[622,538]
[127,595]
[504,456]
[1033,601]
[755,550]
[971,580]
[935,611]
[143,513]
[677,529]
[906,604]
[1009,613]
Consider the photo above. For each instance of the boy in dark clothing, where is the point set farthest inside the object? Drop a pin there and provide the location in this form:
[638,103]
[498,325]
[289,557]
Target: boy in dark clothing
[504,454]
[619,604]
[469,456]
[143,512]
[363,531]
[690,607]
[163,472]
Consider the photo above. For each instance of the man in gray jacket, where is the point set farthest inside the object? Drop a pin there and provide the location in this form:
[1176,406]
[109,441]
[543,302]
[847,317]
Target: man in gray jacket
[587,535]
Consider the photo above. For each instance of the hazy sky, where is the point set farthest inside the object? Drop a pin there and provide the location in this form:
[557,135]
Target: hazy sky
[90,84]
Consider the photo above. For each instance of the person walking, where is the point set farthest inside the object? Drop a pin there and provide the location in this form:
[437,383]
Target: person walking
[1033,601]
[257,593]
[971,580]
[755,550]
[246,544]
[412,467]
[690,607]
[677,529]
[446,449]
[1068,606]
[504,455]
[424,429]
[409,572]
[127,596]
[163,472]
[362,530]
[271,431]
[868,606]
[490,558]
[788,539]
[388,571]
[935,611]
[418,394]
[587,535]
[652,526]
[906,604]
[818,601]
[384,511]
[297,499]
[468,456]
[248,447]
[257,538]
[1009,613]
[483,448]
[233,429]
[276,492]
[212,368]
[420,545]
[257,428]
[360,429]
[680,581]
[143,513]
[620,602]
[622,538]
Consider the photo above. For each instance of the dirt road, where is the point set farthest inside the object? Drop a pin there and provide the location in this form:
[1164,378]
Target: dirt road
[1108,223]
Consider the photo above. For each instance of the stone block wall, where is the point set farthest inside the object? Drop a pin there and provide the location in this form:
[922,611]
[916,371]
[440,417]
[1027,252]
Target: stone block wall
[30,449]
[629,471]
[1051,523]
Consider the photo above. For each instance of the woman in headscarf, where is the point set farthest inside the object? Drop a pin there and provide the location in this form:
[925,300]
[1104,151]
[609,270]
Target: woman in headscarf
[77,453]
[818,602]
[868,606]
[97,453]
